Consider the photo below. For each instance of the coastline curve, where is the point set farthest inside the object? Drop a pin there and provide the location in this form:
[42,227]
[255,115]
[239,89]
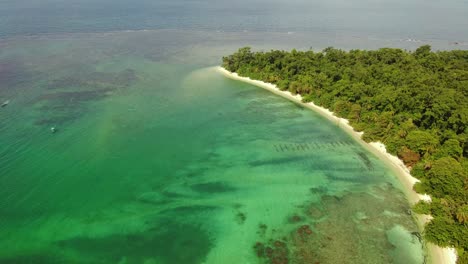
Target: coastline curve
[436,254]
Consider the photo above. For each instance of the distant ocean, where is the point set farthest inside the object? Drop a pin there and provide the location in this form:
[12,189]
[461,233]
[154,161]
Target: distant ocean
[414,20]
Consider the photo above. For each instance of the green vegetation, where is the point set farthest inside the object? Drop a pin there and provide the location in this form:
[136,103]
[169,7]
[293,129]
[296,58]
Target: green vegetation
[414,102]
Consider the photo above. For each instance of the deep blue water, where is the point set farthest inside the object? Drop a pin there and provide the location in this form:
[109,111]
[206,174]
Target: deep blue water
[418,19]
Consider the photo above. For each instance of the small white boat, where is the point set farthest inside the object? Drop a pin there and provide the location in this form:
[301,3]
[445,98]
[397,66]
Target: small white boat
[5,103]
[53,129]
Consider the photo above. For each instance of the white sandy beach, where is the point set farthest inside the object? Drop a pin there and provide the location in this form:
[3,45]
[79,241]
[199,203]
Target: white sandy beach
[437,255]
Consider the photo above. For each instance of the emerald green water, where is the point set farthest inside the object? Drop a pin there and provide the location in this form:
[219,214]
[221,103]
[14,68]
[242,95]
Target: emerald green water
[160,159]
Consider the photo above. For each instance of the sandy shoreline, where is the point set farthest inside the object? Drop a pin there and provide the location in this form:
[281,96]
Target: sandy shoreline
[436,254]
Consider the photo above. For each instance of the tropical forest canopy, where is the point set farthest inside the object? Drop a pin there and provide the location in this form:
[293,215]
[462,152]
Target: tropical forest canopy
[416,103]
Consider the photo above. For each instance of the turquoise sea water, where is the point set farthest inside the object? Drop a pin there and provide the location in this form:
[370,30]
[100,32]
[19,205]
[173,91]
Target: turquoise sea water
[158,158]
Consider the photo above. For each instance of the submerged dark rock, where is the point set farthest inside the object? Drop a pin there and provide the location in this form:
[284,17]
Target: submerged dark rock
[304,230]
[363,157]
[240,217]
[276,252]
[259,249]
[262,228]
[295,219]
[169,241]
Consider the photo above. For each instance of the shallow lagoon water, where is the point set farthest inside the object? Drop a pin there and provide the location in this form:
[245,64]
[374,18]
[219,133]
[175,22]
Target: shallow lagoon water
[160,159]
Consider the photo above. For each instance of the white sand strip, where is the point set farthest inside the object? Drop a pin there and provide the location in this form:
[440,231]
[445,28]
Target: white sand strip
[437,254]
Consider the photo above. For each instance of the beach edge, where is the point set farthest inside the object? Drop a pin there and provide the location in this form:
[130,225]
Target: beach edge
[437,255]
